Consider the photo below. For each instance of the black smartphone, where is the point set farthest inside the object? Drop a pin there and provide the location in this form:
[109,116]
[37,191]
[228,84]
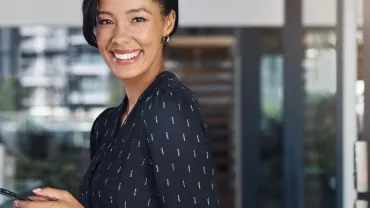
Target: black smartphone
[12,195]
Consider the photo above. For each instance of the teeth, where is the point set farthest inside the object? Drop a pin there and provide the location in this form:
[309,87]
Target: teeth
[126,56]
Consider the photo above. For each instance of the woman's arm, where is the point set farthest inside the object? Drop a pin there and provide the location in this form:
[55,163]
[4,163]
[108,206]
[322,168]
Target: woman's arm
[181,156]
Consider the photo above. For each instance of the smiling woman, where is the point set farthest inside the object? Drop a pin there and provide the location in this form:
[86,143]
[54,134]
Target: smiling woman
[153,149]
[130,34]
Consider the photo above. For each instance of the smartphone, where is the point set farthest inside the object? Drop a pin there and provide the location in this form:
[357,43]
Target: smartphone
[12,195]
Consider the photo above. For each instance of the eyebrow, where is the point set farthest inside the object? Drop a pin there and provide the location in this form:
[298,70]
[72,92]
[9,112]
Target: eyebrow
[137,11]
[104,12]
[131,11]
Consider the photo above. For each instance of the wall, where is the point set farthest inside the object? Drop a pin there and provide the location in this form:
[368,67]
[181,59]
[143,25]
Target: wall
[267,13]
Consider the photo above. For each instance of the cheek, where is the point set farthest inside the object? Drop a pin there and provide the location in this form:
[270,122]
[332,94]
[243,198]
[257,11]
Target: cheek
[103,37]
[144,38]
[148,35]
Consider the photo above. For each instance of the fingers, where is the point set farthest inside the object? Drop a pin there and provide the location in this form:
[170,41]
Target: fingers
[38,198]
[34,204]
[53,193]
[15,204]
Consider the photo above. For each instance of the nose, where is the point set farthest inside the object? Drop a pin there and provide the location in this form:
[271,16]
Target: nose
[121,35]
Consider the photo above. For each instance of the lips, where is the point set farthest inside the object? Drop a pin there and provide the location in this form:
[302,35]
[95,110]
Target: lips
[125,56]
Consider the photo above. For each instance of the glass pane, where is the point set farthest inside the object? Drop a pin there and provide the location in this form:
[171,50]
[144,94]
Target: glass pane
[360,85]
[49,99]
[271,152]
[319,134]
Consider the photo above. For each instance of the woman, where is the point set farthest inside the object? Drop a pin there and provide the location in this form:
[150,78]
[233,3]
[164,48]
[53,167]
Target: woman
[153,149]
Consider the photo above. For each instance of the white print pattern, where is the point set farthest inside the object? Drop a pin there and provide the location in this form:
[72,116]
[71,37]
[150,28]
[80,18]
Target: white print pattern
[165,155]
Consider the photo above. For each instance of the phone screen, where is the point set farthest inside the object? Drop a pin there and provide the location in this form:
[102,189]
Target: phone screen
[12,195]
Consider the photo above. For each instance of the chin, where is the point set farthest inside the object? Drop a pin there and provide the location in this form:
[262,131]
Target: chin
[126,67]
[127,73]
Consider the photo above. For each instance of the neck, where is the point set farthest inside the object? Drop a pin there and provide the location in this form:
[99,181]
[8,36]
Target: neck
[135,87]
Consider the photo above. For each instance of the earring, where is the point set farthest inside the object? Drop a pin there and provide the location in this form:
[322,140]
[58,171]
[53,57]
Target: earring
[166,40]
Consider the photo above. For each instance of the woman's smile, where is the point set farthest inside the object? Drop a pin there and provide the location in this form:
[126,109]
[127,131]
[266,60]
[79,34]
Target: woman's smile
[124,57]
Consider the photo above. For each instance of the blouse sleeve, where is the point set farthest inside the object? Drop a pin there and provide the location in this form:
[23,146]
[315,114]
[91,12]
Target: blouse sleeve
[180,153]
[93,140]
[94,135]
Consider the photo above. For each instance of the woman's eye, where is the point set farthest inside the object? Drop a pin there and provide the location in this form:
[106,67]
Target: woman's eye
[138,19]
[105,22]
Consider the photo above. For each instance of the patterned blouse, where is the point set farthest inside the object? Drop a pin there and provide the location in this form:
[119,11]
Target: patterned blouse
[159,157]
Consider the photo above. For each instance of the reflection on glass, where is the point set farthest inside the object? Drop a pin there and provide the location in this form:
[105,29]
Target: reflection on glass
[319,134]
[271,155]
[44,131]
[272,85]
[360,85]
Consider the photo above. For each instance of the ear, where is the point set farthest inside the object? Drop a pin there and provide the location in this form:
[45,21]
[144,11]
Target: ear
[169,23]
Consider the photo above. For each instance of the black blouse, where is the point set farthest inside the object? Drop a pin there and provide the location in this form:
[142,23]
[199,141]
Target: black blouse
[160,157]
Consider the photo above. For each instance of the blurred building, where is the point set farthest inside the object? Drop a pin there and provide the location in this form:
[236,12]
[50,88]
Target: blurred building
[43,65]
[88,75]
[9,40]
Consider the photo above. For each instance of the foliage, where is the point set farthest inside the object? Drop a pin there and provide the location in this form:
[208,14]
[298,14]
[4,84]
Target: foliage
[320,132]
[53,173]
[319,152]
[36,163]
[11,93]
[271,164]
[8,94]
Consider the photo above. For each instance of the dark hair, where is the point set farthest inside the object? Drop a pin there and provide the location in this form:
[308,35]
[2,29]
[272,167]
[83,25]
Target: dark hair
[89,11]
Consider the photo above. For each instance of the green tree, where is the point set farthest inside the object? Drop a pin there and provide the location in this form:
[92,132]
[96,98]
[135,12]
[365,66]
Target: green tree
[11,93]
[60,170]
[8,94]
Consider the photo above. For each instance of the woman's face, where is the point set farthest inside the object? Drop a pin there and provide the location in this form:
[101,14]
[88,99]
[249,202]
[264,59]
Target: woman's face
[129,36]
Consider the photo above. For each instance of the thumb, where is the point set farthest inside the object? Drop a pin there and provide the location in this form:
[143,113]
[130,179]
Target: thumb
[52,193]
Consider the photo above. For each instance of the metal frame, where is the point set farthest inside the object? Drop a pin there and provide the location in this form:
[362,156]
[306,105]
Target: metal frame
[346,102]
[249,48]
[366,73]
[237,125]
[293,105]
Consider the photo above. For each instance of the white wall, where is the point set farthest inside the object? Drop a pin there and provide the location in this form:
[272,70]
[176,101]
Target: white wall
[192,12]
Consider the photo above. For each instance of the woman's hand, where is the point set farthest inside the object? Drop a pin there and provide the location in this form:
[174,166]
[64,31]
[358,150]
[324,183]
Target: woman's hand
[58,199]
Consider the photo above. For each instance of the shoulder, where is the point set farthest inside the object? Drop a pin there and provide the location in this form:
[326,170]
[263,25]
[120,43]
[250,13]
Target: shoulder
[101,117]
[172,107]
[172,111]
[171,97]
[94,139]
